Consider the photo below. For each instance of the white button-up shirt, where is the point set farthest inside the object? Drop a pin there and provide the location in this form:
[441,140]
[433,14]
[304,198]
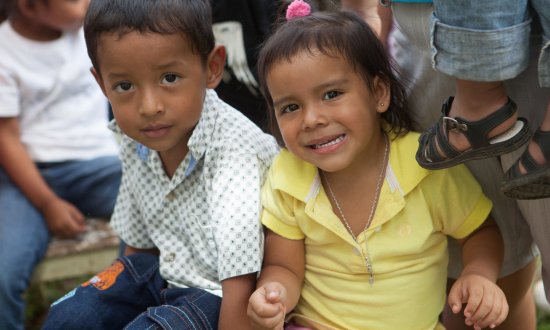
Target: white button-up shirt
[205,220]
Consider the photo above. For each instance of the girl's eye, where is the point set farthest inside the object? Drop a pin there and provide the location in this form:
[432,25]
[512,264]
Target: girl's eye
[331,94]
[289,108]
[123,87]
[170,78]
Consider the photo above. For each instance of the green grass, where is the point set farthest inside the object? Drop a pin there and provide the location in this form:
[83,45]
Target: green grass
[543,322]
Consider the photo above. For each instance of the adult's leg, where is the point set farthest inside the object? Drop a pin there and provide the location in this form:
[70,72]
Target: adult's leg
[112,298]
[23,242]
[535,162]
[532,100]
[427,89]
[188,308]
[480,43]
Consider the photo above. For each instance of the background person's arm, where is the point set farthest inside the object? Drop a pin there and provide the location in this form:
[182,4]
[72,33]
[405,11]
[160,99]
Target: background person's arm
[378,17]
[62,218]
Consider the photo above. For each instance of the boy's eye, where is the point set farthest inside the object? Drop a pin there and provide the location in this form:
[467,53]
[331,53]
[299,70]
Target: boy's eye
[331,94]
[170,78]
[123,87]
[289,108]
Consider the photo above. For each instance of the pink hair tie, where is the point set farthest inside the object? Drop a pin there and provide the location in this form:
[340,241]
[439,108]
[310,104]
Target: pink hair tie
[297,8]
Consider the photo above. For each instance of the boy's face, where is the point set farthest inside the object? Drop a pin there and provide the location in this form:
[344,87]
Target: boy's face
[156,85]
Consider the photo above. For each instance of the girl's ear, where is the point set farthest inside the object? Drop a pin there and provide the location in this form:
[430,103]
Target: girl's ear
[215,66]
[382,94]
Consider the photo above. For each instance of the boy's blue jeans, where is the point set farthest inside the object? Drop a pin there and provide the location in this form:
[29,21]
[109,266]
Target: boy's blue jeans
[131,294]
[91,185]
[488,40]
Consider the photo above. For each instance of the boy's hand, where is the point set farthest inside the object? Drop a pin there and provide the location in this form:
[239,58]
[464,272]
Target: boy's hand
[63,219]
[486,305]
[265,307]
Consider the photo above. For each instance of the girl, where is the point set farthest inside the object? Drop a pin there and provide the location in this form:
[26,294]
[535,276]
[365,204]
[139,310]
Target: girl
[356,230]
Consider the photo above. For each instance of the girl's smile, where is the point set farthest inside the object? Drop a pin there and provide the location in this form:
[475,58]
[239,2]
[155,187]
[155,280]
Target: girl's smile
[327,145]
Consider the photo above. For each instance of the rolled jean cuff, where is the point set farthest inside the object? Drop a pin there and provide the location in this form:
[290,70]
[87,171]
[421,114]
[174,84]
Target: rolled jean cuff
[480,55]
[544,64]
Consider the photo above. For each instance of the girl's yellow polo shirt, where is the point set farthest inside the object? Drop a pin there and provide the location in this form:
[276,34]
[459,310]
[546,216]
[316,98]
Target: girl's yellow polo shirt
[407,241]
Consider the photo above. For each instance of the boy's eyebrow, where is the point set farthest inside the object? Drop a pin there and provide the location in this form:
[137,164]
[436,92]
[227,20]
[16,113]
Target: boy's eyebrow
[169,64]
[161,66]
[116,75]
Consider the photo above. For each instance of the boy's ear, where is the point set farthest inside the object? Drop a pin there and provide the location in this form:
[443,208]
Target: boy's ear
[215,66]
[98,79]
[382,94]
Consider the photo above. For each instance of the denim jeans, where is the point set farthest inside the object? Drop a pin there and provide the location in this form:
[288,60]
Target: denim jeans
[131,294]
[90,185]
[489,40]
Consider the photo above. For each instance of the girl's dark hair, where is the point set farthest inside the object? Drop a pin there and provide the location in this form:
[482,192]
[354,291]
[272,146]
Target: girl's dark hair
[342,34]
[191,18]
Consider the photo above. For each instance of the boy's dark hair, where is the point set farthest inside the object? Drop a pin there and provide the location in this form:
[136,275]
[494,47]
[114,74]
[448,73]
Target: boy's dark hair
[335,34]
[190,18]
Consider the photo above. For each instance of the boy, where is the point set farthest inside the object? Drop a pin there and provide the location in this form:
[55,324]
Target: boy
[192,171]
[58,161]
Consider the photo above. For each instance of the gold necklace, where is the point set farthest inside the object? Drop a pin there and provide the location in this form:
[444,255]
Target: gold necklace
[364,253]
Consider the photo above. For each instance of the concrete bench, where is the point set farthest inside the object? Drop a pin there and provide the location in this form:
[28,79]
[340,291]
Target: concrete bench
[88,254]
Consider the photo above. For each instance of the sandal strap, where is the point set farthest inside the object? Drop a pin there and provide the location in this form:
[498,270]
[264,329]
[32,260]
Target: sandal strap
[436,137]
[542,139]
[528,162]
[477,132]
[447,150]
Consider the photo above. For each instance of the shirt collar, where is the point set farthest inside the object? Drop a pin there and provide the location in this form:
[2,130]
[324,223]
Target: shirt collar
[205,128]
[301,179]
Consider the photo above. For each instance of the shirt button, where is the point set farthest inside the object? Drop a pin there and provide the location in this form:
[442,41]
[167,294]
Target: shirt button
[378,229]
[171,196]
[170,257]
[211,244]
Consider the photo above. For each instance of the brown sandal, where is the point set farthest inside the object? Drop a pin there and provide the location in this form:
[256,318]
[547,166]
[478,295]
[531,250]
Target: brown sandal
[431,157]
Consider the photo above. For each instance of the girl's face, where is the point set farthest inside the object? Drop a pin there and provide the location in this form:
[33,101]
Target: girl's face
[326,113]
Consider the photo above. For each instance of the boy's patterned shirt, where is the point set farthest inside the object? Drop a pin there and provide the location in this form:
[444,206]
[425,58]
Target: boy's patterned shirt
[205,220]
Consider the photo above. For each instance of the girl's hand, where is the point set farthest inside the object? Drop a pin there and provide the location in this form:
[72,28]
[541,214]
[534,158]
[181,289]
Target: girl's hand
[486,305]
[265,307]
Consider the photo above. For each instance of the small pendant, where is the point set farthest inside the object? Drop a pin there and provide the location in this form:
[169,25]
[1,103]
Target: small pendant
[369,269]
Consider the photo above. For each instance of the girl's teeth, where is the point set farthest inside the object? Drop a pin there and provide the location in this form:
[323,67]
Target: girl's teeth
[329,143]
